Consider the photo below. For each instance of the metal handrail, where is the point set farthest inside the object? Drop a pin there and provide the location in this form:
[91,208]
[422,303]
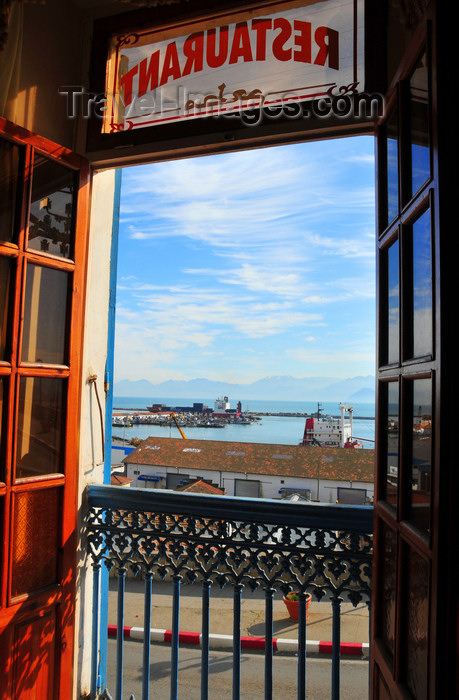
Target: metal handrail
[321,549]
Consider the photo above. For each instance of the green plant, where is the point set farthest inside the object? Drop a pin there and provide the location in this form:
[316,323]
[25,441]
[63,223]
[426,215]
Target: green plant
[293,595]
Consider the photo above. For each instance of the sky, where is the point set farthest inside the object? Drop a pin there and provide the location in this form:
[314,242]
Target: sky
[240,266]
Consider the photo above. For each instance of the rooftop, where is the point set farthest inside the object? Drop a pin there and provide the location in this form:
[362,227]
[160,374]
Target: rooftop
[120,480]
[201,486]
[256,458]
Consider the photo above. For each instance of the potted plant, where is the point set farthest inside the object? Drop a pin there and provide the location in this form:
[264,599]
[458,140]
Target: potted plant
[291,601]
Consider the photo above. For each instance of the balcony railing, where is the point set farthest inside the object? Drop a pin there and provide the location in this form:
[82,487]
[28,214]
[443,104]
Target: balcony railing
[247,544]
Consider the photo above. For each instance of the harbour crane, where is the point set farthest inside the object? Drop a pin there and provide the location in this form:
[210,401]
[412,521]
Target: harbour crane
[174,418]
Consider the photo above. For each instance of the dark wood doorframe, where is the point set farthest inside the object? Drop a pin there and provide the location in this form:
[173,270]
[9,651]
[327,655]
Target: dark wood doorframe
[38,503]
[413,628]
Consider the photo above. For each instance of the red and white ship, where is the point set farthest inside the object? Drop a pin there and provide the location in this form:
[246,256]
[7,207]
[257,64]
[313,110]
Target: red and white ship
[327,431]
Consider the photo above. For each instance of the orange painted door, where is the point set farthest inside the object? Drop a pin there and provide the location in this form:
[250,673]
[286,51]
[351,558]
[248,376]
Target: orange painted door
[44,191]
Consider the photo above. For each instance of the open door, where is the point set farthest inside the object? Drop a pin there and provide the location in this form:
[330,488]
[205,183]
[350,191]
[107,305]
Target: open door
[414,609]
[43,228]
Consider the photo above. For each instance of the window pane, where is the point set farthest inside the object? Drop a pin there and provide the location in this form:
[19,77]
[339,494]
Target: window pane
[422,453]
[9,165]
[388,588]
[2,539]
[393,303]
[392,165]
[392,443]
[45,315]
[419,126]
[416,625]
[422,287]
[35,540]
[5,291]
[51,217]
[40,427]
[3,409]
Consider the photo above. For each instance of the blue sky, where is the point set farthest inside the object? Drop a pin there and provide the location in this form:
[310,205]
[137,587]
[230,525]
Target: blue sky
[244,265]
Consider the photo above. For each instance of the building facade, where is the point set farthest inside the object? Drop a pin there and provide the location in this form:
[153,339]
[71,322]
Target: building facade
[324,475]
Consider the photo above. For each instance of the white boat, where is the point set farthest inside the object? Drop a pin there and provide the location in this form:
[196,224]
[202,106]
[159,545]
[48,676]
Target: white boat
[327,431]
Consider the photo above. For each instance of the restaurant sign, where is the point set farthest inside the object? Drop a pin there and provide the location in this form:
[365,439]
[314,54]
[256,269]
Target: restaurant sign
[272,58]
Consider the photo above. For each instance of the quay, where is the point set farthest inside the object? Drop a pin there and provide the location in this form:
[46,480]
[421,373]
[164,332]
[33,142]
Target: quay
[276,414]
[283,414]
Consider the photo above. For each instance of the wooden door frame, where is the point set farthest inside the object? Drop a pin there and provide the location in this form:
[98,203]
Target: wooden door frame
[20,609]
[438,547]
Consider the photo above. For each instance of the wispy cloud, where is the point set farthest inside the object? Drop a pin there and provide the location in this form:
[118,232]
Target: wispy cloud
[243,255]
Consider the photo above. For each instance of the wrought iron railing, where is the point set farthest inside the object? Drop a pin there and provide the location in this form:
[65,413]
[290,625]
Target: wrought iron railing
[218,540]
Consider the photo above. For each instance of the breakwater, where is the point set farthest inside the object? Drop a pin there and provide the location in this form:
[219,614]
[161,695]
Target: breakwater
[278,414]
[286,430]
[285,414]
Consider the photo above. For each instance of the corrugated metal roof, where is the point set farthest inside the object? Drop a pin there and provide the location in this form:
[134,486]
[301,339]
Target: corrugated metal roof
[331,463]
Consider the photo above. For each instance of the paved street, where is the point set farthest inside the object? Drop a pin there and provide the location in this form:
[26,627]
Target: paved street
[354,629]
[354,675]
[354,621]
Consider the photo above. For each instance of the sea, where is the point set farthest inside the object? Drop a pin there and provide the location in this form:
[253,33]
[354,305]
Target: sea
[271,429]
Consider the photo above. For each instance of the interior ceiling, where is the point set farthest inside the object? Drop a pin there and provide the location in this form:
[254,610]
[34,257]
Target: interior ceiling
[94,4]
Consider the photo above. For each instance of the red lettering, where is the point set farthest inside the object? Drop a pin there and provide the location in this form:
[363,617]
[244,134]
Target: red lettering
[261,26]
[171,65]
[126,84]
[241,47]
[330,49]
[148,77]
[213,59]
[193,50]
[278,43]
[303,40]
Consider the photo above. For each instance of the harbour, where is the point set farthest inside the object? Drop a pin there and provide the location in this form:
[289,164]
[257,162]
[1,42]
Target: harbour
[278,422]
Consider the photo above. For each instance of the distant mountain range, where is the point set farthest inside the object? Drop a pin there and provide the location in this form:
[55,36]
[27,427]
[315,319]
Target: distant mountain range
[280,388]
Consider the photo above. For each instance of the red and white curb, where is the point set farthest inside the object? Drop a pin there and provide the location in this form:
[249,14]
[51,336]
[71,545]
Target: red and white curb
[225,641]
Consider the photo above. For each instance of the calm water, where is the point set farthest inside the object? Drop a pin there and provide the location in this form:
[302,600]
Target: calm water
[271,429]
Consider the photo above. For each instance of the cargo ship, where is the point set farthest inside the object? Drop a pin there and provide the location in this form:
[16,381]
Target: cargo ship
[327,431]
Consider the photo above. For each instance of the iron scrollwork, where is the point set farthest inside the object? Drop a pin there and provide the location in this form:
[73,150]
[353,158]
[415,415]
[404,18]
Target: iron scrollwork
[332,562]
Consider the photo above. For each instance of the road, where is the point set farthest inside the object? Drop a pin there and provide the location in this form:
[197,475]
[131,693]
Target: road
[354,675]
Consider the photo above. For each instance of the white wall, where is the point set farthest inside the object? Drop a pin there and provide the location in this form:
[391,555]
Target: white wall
[322,490]
[91,463]
[119,452]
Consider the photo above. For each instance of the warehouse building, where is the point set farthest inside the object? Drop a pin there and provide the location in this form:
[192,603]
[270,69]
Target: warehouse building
[255,470]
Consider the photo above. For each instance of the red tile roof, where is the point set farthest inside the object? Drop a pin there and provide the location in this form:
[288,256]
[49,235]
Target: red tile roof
[201,486]
[120,480]
[330,463]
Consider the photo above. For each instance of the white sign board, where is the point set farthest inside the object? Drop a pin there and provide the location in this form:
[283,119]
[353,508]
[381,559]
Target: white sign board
[271,57]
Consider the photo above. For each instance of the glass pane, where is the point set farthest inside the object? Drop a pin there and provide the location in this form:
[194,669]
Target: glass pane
[35,540]
[419,126]
[5,291]
[388,589]
[422,287]
[2,507]
[393,303]
[9,165]
[3,410]
[40,427]
[416,625]
[51,218]
[422,453]
[45,315]
[392,165]
[392,443]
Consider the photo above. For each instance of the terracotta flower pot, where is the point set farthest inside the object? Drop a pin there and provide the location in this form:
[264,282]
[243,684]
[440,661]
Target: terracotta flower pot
[292,607]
